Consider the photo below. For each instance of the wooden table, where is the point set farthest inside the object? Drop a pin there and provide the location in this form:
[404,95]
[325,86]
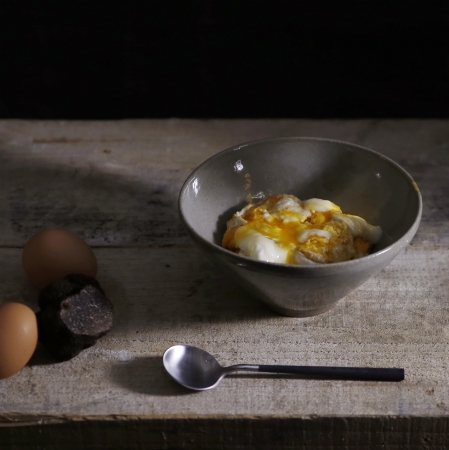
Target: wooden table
[116,184]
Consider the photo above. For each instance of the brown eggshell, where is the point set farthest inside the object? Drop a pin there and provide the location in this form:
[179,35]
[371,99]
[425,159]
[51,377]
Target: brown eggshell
[54,253]
[18,337]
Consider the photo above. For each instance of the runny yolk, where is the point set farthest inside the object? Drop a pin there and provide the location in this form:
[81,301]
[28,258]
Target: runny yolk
[288,229]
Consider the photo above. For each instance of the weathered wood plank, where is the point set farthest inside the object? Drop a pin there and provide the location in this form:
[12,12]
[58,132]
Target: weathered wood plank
[117,183]
[301,433]
[164,296]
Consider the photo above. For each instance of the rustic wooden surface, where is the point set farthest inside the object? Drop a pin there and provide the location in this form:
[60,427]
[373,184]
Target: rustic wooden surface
[116,184]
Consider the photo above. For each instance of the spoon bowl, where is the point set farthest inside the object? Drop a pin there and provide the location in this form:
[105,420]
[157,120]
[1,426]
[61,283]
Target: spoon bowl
[197,369]
[193,367]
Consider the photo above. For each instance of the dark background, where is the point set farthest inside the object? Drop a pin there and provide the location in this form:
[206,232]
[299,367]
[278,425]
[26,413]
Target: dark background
[316,58]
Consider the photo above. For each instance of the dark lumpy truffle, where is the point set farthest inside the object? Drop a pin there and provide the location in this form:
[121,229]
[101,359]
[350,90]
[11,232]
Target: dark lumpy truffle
[74,314]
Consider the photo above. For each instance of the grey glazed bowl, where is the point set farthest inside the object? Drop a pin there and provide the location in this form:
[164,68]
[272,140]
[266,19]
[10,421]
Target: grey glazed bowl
[359,180]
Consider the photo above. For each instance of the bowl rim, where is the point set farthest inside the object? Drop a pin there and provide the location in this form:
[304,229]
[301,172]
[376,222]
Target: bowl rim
[248,262]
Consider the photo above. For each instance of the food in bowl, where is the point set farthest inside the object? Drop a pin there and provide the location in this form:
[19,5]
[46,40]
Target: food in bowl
[284,229]
[359,180]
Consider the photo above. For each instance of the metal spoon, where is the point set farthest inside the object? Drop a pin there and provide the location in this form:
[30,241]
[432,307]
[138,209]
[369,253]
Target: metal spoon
[196,369]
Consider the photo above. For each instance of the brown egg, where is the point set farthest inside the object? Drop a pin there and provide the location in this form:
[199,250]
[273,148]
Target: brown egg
[18,337]
[54,253]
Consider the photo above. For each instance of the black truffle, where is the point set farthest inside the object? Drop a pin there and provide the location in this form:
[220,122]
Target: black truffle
[74,313]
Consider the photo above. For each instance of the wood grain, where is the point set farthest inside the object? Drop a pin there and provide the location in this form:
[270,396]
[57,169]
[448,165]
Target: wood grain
[116,184]
[301,433]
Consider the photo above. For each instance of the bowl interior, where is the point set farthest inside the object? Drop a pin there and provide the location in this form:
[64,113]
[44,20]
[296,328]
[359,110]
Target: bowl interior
[360,181]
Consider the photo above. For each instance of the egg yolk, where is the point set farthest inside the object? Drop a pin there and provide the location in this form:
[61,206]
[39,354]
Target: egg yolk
[285,229]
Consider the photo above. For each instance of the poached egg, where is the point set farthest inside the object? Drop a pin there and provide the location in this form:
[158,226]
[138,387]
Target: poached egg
[284,229]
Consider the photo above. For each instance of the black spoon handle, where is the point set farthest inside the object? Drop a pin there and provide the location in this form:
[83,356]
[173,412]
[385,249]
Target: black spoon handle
[339,373]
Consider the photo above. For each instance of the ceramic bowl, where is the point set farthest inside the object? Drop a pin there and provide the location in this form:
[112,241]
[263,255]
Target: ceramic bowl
[361,181]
